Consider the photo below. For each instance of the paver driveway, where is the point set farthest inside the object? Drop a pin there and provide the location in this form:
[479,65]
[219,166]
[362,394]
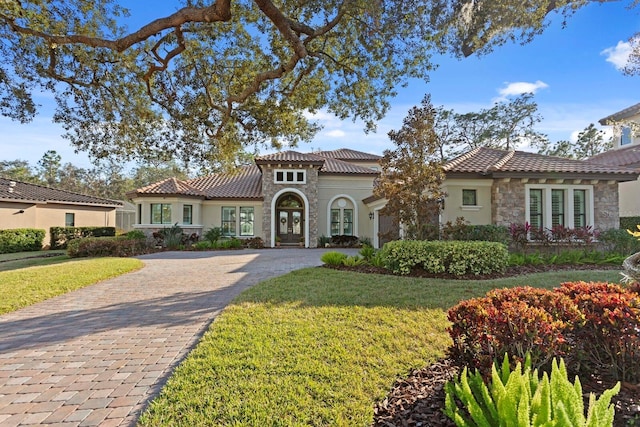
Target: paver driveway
[97,355]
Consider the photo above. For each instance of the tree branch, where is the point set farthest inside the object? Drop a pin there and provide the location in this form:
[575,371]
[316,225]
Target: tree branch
[219,11]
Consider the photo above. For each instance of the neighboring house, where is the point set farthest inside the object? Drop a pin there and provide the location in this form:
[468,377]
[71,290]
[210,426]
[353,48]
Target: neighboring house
[489,186]
[24,205]
[294,196]
[125,216]
[626,153]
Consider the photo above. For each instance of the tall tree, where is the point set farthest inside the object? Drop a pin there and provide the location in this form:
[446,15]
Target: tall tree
[506,125]
[217,75]
[412,173]
[49,167]
[590,141]
[20,170]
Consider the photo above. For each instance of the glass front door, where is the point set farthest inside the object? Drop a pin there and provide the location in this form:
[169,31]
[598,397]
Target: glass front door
[290,225]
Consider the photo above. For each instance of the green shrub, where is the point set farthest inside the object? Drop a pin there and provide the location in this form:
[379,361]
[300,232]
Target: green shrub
[629,222]
[333,258]
[519,321]
[204,245]
[324,241]
[213,234]
[232,243]
[60,236]
[106,246]
[135,234]
[353,261]
[462,230]
[453,257]
[367,252]
[619,242]
[520,398]
[21,240]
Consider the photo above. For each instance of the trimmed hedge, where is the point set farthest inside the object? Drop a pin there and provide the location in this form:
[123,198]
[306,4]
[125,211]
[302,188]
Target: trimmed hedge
[452,257]
[21,240]
[61,236]
[120,246]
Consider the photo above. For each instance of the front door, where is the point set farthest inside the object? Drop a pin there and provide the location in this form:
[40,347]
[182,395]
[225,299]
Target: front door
[290,225]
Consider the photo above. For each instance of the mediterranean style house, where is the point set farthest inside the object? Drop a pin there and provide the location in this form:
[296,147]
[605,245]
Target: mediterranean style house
[24,205]
[294,197]
[626,153]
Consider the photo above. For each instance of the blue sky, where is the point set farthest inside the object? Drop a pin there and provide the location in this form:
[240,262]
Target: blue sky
[573,71]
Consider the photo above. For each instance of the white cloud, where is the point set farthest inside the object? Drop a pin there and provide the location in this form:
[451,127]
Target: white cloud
[336,133]
[518,88]
[618,55]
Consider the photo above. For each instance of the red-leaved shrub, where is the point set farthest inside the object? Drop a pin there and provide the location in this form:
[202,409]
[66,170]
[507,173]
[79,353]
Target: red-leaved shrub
[610,336]
[515,321]
[592,325]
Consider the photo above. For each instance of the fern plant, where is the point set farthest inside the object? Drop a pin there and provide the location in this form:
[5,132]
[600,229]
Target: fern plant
[520,398]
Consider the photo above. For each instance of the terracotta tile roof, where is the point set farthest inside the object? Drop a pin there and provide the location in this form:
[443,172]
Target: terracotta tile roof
[627,157]
[330,165]
[11,190]
[489,161]
[334,166]
[245,183]
[169,186]
[291,157]
[349,155]
[621,115]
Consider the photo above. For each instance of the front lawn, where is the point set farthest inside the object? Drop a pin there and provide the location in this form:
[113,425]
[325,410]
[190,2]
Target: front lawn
[320,347]
[25,286]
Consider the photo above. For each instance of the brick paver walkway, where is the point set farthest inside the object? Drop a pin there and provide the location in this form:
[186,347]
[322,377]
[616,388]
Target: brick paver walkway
[96,356]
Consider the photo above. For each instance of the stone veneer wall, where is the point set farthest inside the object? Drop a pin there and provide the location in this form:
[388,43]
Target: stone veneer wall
[508,203]
[606,209]
[310,190]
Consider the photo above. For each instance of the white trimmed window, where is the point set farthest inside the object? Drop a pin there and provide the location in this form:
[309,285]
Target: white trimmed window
[290,176]
[548,206]
[247,220]
[228,221]
[187,214]
[625,136]
[160,213]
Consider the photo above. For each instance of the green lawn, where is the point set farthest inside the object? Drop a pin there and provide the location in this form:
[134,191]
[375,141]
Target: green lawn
[319,347]
[14,261]
[20,287]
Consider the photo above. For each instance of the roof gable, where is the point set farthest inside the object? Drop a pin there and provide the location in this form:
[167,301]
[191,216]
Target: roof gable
[621,115]
[627,157]
[349,155]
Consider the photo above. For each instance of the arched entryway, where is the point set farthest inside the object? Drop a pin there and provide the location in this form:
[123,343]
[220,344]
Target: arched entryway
[290,219]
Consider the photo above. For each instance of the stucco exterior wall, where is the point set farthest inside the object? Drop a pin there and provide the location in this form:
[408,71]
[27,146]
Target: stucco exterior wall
[629,198]
[352,189]
[453,208]
[47,215]
[212,215]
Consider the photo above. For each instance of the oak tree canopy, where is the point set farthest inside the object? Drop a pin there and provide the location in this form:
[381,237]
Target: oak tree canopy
[219,75]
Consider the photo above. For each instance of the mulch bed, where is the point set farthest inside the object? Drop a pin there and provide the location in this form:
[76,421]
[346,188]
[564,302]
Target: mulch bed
[418,399]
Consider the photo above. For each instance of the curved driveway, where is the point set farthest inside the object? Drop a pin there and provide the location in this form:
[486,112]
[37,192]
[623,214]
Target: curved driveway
[97,355]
